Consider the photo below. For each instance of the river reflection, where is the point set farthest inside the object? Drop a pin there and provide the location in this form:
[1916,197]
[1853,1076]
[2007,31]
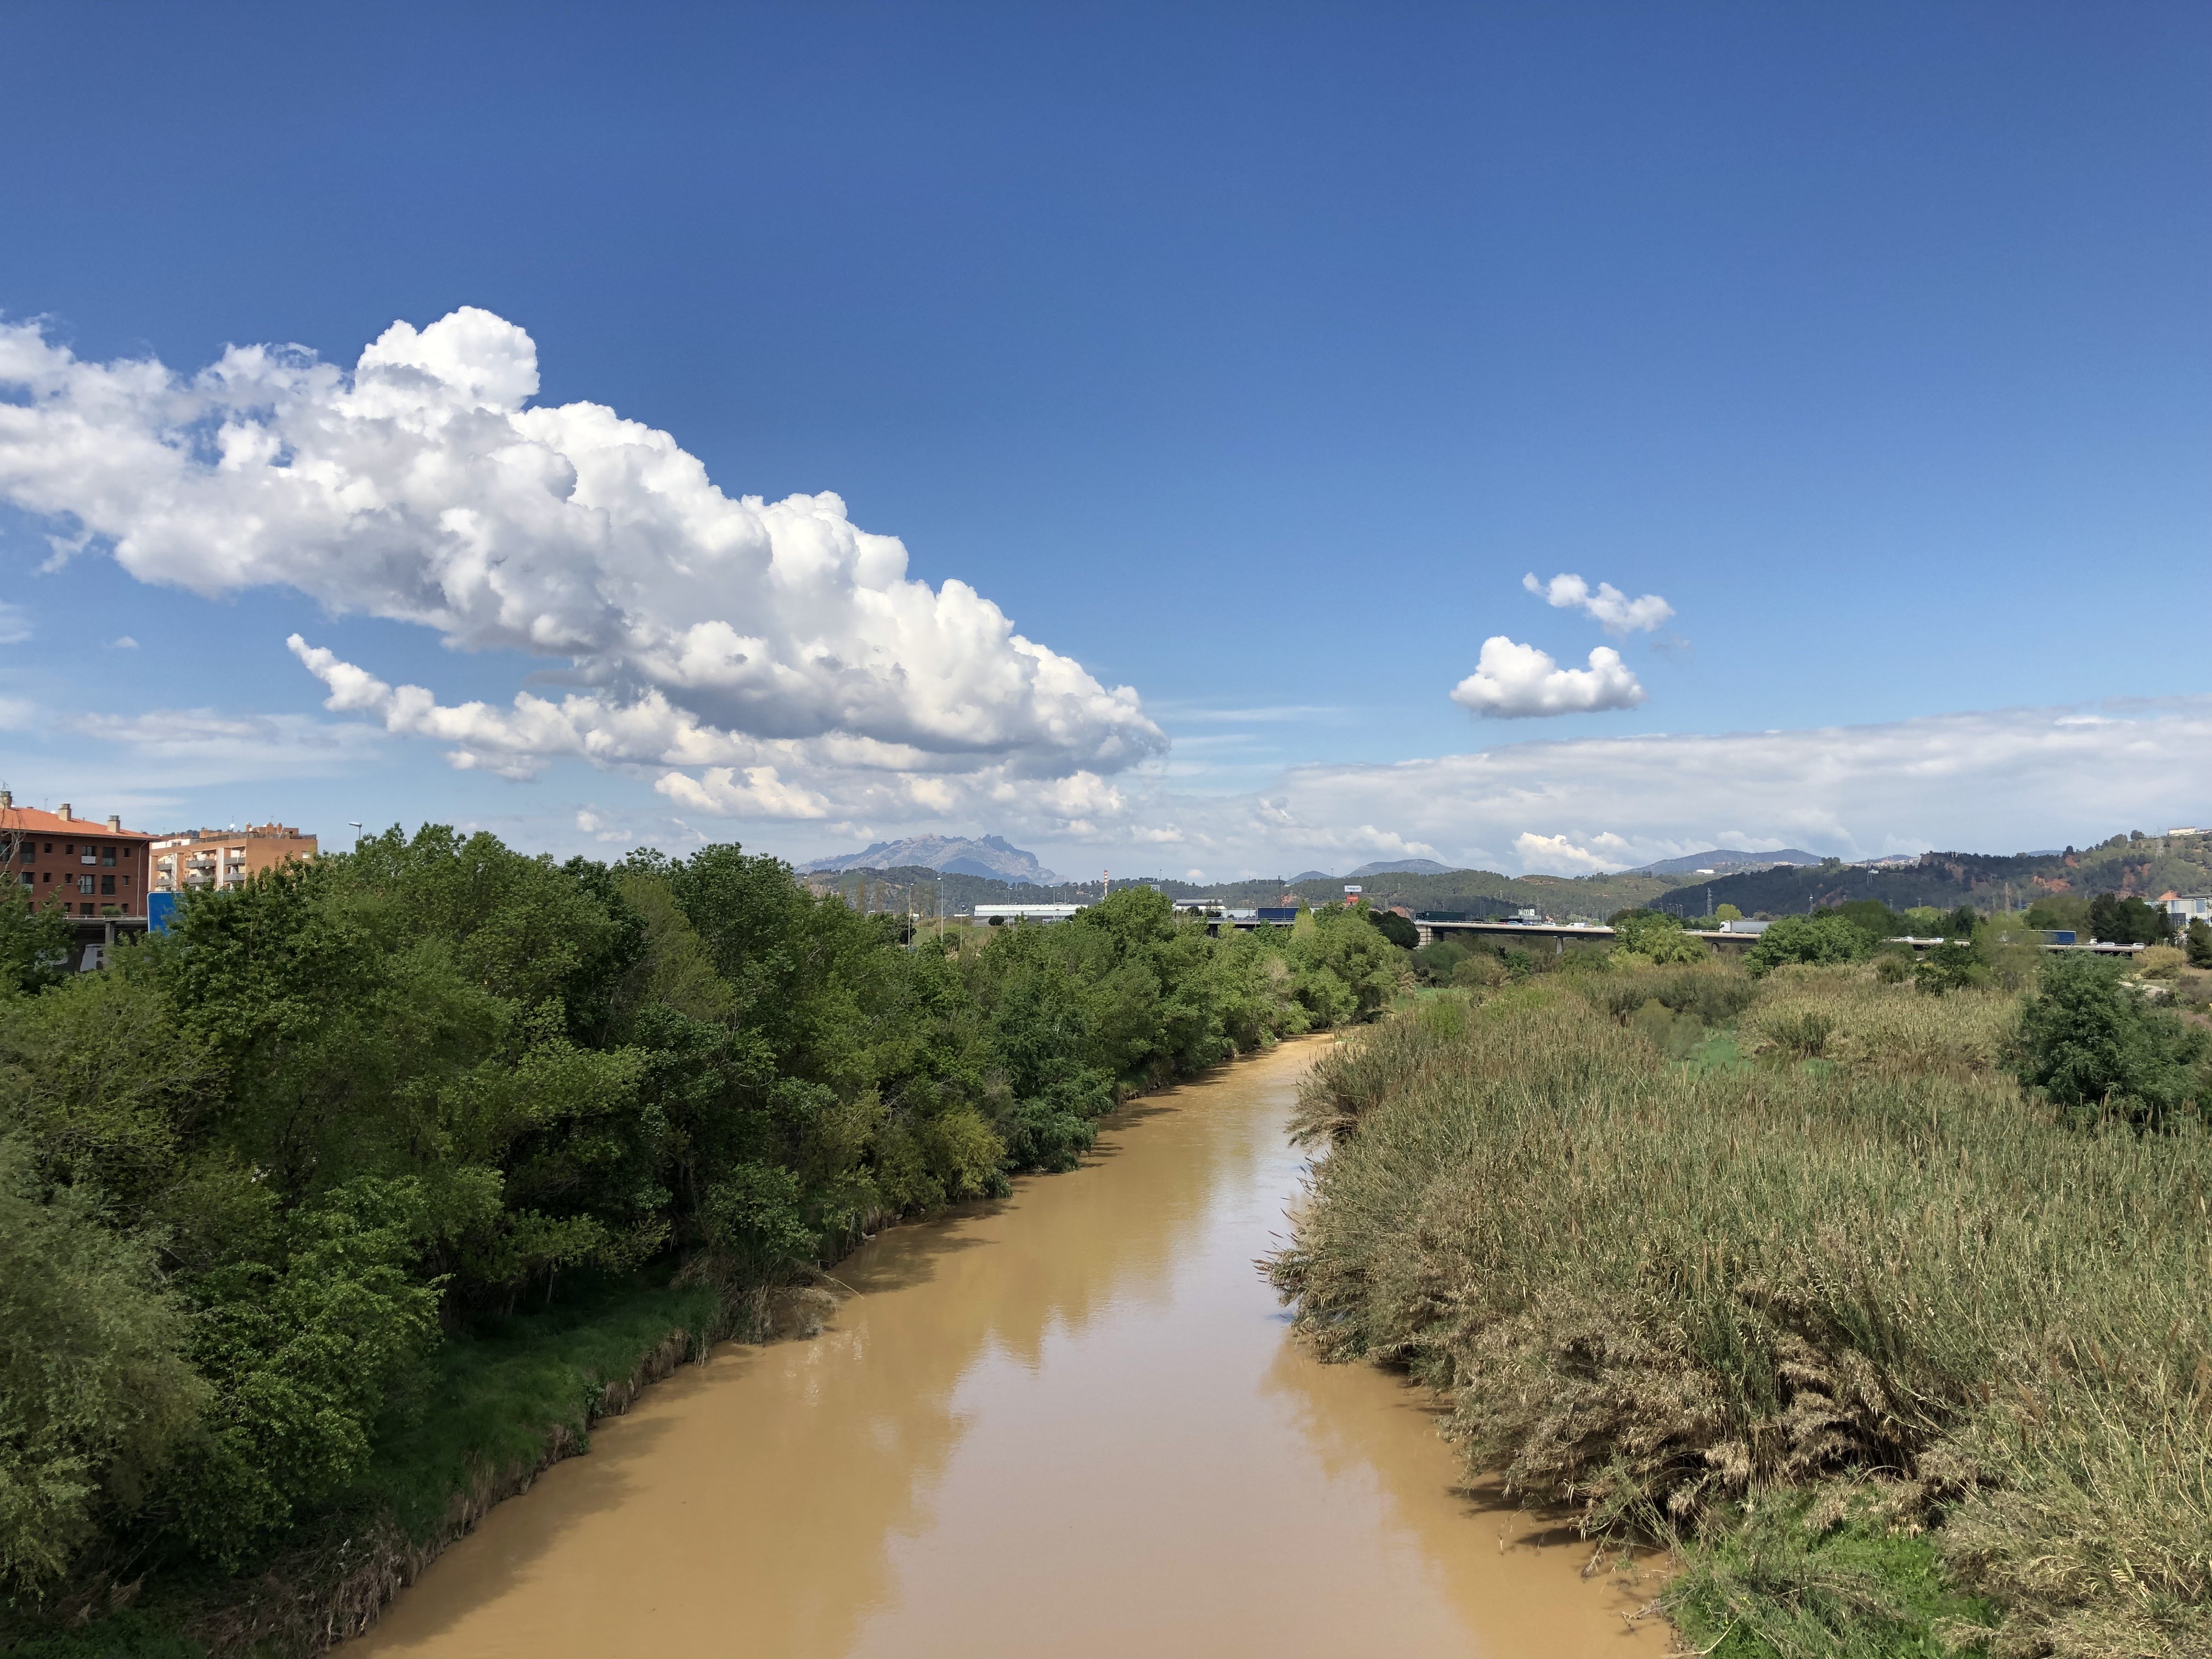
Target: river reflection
[1070,1423]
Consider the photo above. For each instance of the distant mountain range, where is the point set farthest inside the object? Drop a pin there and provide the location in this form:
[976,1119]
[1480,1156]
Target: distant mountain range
[1393,867]
[1403,868]
[986,855]
[1724,861]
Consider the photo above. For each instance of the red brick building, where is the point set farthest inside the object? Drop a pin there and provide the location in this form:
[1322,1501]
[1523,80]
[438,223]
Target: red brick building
[86,867]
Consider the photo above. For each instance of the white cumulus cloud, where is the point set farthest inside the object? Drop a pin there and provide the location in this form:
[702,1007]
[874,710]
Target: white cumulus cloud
[1613,610]
[1559,855]
[774,647]
[1519,682]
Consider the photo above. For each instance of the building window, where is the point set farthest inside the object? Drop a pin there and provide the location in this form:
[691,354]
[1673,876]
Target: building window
[84,883]
[107,855]
[107,884]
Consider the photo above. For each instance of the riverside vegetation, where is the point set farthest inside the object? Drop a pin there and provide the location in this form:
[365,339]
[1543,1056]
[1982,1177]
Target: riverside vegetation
[1875,1289]
[328,1216]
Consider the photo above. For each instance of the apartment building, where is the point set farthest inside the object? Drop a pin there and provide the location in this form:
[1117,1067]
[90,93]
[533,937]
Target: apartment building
[186,861]
[84,866]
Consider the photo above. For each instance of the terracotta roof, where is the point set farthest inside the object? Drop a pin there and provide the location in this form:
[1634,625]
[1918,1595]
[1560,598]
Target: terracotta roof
[30,821]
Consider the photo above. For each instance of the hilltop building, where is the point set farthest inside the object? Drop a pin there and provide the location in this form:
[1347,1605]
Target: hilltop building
[186,860]
[2185,908]
[85,867]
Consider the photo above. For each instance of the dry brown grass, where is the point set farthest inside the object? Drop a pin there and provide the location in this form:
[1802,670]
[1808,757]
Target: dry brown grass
[1654,1290]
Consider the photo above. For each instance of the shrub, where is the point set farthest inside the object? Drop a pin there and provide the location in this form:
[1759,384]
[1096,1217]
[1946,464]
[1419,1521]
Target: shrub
[1477,970]
[2160,962]
[2199,944]
[1656,937]
[1819,940]
[1951,966]
[1714,993]
[1435,961]
[2093,1046]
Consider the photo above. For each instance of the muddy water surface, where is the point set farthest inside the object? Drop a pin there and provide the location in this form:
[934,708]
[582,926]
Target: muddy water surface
[1070,1424]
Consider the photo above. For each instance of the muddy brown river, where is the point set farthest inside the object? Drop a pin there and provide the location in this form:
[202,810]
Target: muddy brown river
[1071,1424]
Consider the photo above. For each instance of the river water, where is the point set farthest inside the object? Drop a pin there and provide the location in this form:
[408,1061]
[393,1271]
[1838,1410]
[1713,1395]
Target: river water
[1070,1423]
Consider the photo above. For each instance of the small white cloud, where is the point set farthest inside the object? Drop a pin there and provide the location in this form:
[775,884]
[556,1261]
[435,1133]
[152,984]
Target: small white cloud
[1557,855]
[1613,610]
[15,623]
[1519,682]
[122,642]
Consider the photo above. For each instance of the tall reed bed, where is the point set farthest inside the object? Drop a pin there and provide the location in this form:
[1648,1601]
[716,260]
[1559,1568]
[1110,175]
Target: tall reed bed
[1883,1292]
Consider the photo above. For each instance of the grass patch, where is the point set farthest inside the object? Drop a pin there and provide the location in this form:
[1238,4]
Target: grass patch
[1720,1052]
[490,1397]
[1773,1587]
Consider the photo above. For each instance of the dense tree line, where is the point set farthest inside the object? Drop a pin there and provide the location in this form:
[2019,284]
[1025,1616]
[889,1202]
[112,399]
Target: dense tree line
[252,1172]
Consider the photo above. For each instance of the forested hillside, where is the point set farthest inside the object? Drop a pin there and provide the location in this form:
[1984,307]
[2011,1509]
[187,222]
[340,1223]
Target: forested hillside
[2132,864]
[2141,866]
[1474,892]
[323,1209]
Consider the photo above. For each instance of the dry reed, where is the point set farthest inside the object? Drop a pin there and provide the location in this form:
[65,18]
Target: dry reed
[1653,1291]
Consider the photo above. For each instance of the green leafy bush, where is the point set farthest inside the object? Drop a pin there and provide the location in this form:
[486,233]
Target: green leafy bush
[95,1391]
[1820,940]
[1656,937]
[1951,966]
[2093,1047]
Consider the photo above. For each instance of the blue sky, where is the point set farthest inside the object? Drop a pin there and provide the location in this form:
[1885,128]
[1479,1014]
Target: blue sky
[1249,357]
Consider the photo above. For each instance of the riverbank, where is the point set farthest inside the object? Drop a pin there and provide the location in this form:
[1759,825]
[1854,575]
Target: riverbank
[274,1185]
[1899,1359]
[1066,1421]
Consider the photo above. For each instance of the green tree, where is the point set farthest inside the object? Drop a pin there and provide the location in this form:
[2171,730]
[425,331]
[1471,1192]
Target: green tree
[1395,928]
[1873,918]
[1824,939]
[2092,1045]
[1657,936]
[2120,921]
[1345,970]
[35,940]
[2199,944]
[2060,913]
[95,1391]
